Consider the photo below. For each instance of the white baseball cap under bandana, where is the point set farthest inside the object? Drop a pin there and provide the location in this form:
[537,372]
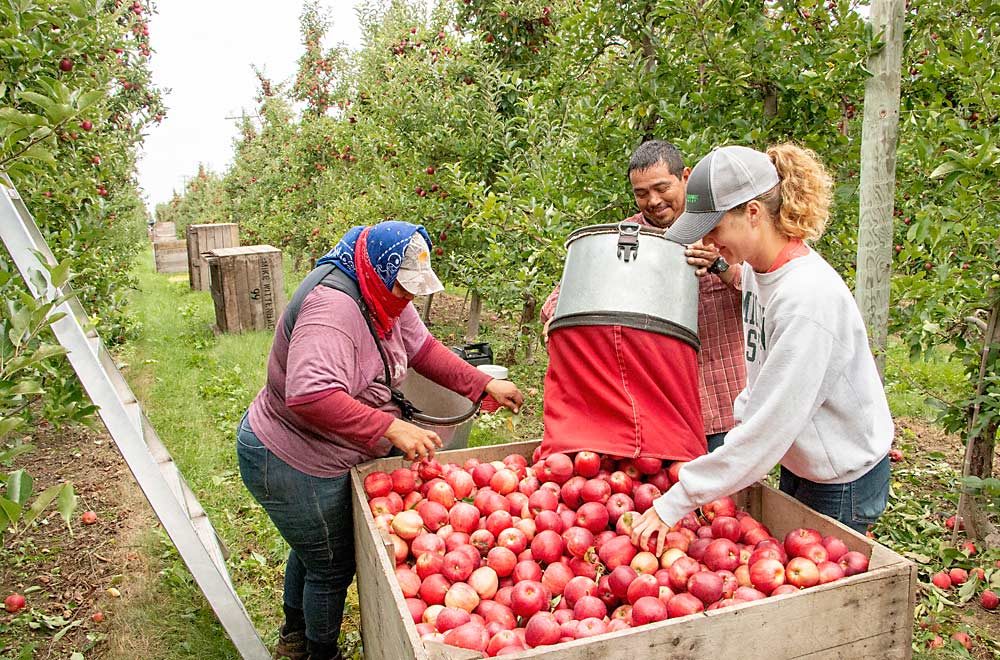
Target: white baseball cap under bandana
[415,273]
[721,181]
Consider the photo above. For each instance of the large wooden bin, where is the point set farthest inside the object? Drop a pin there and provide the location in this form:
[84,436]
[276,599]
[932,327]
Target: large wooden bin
[869,615]
[248,287]
[170,256]
[163,231]
[202,239]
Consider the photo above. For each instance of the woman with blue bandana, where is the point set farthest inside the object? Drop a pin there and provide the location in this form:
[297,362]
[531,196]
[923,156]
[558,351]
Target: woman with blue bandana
[341,348]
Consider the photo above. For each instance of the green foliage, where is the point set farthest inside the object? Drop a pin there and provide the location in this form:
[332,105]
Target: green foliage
[34,379]
[17,512]
[504,125]
[75,97]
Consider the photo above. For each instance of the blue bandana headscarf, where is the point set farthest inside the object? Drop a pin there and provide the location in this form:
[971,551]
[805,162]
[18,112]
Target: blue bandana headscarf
[386,243]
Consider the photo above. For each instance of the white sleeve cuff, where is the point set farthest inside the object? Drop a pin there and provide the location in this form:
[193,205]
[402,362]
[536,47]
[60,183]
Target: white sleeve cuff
[673,505]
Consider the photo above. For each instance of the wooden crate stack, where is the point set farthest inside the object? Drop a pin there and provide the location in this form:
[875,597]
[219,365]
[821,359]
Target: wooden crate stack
[202,239]
[869,615]
[163,231]
[248,287]
[170,256]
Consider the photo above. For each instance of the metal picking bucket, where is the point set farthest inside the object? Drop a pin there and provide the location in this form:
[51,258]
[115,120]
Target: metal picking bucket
[447,413]
[630,275]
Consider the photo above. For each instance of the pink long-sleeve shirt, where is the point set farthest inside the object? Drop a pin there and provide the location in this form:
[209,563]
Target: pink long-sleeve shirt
[301,414]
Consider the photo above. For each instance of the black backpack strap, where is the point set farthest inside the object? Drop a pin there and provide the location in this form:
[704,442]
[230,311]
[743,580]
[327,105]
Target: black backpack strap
[330,276]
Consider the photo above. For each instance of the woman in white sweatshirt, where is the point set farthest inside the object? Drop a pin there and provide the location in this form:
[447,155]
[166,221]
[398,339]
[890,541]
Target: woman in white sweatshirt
[814,401]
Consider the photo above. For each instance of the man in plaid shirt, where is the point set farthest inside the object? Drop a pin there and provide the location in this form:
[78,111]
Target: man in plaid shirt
[659,184]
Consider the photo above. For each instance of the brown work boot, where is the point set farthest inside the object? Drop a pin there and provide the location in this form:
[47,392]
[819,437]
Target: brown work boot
[291,646]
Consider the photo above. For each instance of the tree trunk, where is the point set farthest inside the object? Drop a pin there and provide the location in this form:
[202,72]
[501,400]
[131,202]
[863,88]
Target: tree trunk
[770,102]
[425,309]
[475,310]
[528,314]
[980,446]
[984,443]
[649,69]
[878,175]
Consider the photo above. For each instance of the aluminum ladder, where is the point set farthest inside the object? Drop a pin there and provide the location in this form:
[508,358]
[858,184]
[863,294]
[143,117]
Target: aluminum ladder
[176,506]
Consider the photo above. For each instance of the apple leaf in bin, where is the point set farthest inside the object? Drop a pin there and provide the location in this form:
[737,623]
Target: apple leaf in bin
[917,557]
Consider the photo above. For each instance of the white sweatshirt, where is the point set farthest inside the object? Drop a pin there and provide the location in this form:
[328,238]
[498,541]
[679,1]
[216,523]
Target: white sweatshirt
[813,400]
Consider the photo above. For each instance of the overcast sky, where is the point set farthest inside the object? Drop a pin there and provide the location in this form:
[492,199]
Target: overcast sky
[203,54]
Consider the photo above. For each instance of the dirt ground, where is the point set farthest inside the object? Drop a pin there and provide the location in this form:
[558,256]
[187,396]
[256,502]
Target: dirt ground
[68,578]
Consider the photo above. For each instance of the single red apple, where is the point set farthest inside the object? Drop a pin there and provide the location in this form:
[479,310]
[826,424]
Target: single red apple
[14,603]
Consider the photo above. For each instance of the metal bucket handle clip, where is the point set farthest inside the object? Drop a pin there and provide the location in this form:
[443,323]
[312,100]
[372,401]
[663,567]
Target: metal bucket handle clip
[628,240]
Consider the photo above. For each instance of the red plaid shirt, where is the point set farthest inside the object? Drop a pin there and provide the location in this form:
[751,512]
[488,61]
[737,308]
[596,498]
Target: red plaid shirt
[722,373]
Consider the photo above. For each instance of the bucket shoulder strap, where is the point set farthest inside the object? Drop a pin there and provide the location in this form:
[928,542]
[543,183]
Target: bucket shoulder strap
[330,276]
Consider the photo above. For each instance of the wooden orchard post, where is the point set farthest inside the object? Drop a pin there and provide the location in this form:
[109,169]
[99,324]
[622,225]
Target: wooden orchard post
[879,133]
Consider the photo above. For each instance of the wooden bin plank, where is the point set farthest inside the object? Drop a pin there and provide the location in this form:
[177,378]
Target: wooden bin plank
[390,632]
[218,300]
[439,651]
[270,289]
[228,288]
[254,303]
[277,284]
[243,300]
[869,610]
[194,273]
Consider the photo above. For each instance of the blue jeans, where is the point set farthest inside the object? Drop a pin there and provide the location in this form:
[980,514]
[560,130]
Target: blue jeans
[314,516]
[715,440]
[857,504]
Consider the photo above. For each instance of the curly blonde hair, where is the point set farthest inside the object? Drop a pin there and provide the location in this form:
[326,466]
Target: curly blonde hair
[800,204]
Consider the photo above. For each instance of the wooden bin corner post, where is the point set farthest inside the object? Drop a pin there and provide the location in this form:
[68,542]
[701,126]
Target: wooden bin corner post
[247,286]
[202,239]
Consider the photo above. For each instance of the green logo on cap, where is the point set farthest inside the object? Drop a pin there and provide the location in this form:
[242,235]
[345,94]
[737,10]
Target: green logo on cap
[692,198]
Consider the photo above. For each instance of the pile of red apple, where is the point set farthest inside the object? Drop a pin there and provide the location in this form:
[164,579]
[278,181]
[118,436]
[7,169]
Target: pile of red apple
[500,557]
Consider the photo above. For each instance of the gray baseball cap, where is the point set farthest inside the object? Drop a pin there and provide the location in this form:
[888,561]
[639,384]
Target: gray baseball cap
[415,272]
[721,181]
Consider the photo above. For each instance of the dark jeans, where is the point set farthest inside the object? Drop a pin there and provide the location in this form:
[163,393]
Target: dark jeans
[715,440]
[314,516]
[857,504]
